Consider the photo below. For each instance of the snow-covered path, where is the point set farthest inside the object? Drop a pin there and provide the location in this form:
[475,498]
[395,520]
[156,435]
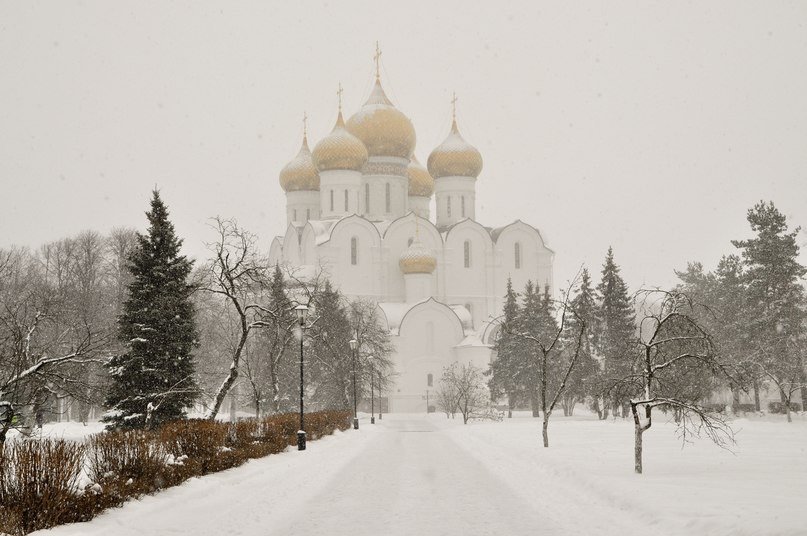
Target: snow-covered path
[413,479]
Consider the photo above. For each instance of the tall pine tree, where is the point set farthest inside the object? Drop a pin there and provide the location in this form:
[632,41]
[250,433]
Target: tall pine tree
[581,381]
[154,381]
[775,294]
[506,370]
[615,329]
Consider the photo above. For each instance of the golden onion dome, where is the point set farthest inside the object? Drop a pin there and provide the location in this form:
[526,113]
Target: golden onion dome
[383,129]
[300,173]
[417,259]
[455,157]
[420,182]
[340,149]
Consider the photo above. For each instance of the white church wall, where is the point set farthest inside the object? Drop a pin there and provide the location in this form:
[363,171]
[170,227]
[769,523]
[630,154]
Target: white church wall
[334,184]
[291,246]
[276,251]
[308,250]
[353,251]
[420,205]
[461,191]
[531,266]
[428,334]
[302,206]
[469,285]
[398,196]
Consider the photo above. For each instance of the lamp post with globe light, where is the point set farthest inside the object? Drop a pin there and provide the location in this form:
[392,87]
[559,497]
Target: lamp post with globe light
[302,312]
[354,344]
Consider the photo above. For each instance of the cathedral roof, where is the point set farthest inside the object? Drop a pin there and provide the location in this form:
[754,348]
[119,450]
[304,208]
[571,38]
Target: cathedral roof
[300,173]
[340,149]
[383,129]
[420,182]
[455,157]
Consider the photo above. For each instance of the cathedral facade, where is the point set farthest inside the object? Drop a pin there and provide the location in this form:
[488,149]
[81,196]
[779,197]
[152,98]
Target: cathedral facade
[358,207]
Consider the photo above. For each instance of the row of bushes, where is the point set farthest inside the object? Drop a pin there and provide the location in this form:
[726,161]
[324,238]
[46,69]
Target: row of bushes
[39,480]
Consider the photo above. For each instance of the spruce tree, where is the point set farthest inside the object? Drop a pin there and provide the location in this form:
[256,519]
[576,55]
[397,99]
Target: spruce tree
[506,370]
[581,382]
[775,298]
[329,353]
[530,323]
[153,381]
[615,328]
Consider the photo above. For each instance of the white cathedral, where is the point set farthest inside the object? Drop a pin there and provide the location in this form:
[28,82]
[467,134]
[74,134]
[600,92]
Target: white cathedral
[359,207]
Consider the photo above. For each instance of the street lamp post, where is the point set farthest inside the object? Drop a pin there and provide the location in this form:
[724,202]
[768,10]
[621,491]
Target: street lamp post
[354,344]
[301,311]
[372,393]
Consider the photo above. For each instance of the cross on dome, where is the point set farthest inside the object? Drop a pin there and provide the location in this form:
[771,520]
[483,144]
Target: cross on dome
[377,59]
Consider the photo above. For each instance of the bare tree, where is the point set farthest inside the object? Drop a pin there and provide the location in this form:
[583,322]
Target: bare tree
[553,360]
[463,390]
[234,272]
[674,353]
[44,344]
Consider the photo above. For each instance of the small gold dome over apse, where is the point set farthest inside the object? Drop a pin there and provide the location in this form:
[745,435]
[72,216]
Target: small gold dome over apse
[383,129]
[455,157]
[300,173]
[340,149]
[417,259]
[420,182]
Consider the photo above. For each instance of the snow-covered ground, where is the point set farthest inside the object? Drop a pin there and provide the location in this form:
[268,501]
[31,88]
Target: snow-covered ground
[70,430]
[412,474]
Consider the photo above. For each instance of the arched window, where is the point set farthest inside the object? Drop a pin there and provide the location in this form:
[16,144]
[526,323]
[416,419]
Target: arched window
[517,251]
[462,203]
[294,218]
[331,200]
[387,197]
[448,206]
[429,380]
[467,252]
[354,251]
[470,308]
[409,242]
[346,200]
[307,214]
[367,198]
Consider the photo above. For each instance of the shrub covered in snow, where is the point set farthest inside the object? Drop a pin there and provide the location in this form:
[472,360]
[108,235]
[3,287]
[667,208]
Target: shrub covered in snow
[39,480]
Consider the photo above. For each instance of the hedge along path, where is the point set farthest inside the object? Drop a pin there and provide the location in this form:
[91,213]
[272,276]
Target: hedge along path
[39,479]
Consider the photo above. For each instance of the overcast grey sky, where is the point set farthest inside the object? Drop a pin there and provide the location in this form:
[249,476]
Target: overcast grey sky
[649,126]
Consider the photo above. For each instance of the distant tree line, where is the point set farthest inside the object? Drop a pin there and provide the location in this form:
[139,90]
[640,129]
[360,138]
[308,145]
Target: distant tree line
[125,324]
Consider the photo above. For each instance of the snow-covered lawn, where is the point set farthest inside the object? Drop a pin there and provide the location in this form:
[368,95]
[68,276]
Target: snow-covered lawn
[699,489]
[412,474]
[69,430]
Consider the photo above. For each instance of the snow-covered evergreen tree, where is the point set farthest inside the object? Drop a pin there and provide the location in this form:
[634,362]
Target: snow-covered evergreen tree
[615,331]
[153,381]
[506,370]
[581,381]
[775,295]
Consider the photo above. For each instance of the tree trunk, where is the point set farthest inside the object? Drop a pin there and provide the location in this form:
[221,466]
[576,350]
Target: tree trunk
[545,430]
[735,400]
[803,391]
[637,448]
[534,404]
[756,395]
